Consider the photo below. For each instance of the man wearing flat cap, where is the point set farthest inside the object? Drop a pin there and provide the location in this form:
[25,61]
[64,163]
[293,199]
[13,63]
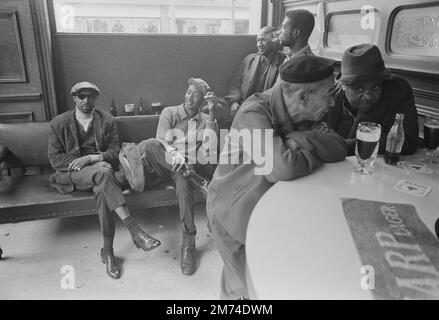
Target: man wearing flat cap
[174,153]
[368,91]
[83,148]
[291,111]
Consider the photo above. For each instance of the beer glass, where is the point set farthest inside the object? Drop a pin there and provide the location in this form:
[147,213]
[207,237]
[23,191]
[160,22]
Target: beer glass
[431,139]
[366,149]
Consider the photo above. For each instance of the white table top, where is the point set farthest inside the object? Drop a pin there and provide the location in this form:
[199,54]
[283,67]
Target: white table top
[299,245]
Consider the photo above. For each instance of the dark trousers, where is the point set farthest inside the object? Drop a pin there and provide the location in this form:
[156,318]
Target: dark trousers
[153,154]
[106,190]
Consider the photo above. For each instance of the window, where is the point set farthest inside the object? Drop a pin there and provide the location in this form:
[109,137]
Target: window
[158,16]
[415,31]
[345,30]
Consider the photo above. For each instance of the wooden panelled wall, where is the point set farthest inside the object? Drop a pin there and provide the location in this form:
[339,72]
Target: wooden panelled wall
[26,76]
[406,31]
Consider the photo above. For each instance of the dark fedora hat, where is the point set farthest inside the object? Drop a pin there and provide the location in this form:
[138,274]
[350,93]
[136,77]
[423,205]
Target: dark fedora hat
[362,63]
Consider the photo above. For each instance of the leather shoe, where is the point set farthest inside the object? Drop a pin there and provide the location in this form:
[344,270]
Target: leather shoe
[113,269]
[187,262]
[145,242]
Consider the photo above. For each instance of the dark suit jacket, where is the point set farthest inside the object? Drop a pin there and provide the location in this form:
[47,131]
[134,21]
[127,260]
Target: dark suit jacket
[242,84]
[63,144]
[235,188]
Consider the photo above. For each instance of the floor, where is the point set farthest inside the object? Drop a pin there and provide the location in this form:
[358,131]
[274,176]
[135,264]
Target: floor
[59,259]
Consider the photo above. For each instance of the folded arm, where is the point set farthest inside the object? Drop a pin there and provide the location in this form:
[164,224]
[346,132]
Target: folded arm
[58,157]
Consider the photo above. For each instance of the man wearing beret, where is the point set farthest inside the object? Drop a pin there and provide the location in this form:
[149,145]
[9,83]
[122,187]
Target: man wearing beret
[83,148]
[368,91]
[258,71]
[171,155]
[292,111]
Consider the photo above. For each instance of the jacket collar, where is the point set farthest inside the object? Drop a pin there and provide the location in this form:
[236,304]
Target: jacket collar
[183,114]
[306,50]
[281,119]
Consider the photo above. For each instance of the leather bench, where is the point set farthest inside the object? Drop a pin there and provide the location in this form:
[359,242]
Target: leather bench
[26,197]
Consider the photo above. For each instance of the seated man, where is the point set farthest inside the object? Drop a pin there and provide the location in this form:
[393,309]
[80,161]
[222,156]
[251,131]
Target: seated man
[83,149]
[178,127]
[258,71]
[368,91]
[288,117]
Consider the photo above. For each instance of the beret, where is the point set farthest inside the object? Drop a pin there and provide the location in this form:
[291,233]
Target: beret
[84,85]
[200,84]
[305,69]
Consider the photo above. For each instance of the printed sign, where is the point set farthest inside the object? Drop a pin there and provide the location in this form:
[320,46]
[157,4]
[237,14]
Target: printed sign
[392,239]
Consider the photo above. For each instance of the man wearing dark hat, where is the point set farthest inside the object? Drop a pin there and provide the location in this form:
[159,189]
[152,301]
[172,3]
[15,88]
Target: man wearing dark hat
[83,148]
[258,71]
[292,111]
[180,133]
[368,91]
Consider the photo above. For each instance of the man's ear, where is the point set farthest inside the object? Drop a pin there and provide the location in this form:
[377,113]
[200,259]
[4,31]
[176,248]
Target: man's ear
[301,96]
[296,32]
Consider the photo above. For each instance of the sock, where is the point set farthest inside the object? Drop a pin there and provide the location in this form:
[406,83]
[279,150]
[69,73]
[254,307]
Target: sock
[132,226]
[108,245]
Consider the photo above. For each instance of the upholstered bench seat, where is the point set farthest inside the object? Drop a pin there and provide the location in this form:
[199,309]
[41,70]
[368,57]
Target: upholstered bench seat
[24,198]
[30,197]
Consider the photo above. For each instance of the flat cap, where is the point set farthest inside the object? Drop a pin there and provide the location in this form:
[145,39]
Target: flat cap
[305,69]
[84,85]
[200,84]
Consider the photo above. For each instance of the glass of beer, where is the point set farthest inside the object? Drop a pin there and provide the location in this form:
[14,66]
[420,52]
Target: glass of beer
[431,139]
[366,149]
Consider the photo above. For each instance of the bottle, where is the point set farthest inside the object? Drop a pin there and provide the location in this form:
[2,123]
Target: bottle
[113,109]
[395,140]
[141,112]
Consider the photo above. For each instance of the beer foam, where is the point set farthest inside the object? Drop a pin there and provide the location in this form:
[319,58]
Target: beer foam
[369,136]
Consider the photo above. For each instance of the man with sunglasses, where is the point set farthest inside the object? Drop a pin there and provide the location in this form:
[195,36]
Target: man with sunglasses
[83,148]
[366,91]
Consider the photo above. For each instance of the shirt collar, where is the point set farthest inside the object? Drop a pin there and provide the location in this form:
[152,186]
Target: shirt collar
[183,114]
[305,50]
[268,58]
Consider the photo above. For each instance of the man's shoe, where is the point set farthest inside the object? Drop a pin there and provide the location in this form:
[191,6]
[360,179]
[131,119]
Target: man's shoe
[113,269]
[187,262]
[145,242]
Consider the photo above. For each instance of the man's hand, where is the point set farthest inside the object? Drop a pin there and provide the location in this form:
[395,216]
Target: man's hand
[178,161]
[322,127]
[79,163]
[188,172]
[212,101]
[84,161]
[234,109]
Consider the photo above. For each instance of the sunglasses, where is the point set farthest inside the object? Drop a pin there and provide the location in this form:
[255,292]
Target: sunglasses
[83,96]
